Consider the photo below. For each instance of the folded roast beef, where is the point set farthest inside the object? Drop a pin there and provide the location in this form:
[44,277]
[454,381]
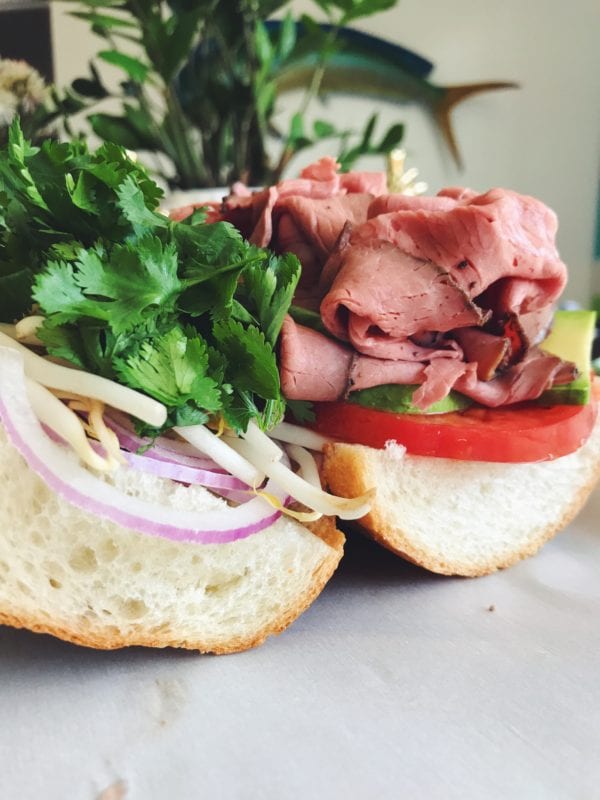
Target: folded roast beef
[448,292]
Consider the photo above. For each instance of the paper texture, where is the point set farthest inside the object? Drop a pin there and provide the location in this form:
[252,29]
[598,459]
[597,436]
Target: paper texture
[395,684]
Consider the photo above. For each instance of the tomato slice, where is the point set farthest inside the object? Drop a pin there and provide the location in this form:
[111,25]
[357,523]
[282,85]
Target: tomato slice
[512,434]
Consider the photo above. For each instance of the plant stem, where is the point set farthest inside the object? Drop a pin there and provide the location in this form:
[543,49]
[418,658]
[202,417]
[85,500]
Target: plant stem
[194,172]
[288,152]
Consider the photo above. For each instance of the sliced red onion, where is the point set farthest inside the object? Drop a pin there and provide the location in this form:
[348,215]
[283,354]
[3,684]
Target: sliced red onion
[61,470]
[218,482]
[182,473]
[160,449]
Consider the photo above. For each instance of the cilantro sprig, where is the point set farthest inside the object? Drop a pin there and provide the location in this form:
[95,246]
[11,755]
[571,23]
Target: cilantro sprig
[185,312]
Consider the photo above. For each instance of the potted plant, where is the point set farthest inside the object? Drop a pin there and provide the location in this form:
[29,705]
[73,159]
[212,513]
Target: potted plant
[202,80]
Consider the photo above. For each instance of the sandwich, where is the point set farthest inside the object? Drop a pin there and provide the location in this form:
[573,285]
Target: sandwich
[151,494]
[423,341]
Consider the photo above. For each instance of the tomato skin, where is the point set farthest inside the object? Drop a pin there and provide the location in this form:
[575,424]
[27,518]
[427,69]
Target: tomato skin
[513,434]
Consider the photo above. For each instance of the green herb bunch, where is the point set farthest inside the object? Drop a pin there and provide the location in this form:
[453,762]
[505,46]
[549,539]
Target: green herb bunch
[186,312]
[202,80]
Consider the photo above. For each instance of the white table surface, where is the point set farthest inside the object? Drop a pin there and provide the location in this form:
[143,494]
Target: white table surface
[395,684]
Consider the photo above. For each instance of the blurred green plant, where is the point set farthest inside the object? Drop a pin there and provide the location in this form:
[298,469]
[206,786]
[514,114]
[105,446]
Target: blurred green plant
[200,85]
[202,79]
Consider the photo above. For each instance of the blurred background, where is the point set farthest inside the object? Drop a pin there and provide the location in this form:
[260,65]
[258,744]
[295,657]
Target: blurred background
[542,139]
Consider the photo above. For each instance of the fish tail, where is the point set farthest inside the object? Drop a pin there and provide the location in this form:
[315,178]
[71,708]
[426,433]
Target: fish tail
[450,98]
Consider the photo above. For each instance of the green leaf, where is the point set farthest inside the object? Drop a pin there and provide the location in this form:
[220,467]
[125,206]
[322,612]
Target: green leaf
[262,42]
[210,251]
[117,287]
[173,369]
[238,410]
[177,36]
[267,292]
[133,205]
[19,151]
[214,295]
[135,68]
[58,292]
[111,164]
[62,341]
[323,129]
[15,294]
[287,37]
[368,132]
[348,156]
[114,129]
[83,194]
[297,139]
[65,251]
[391,139]
[181,6]
[265,100]
[251,364]
[358,9]
[103,20]
[302,410]
[88,88]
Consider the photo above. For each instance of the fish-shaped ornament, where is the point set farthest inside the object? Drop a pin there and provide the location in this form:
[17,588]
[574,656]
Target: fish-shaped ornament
[368,66]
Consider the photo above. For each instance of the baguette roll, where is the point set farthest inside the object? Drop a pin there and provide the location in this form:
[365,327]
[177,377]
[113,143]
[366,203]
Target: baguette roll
[465,518]
[87,580]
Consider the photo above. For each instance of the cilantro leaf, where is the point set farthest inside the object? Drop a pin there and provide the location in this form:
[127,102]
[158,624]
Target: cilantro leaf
[302,410]
[132,203]
[215,256]
[267,291]
[111,165]
[116,286]
[59,293]
[210,250]
[83,193]
[19,151]
[62,341]
[89,344]
[173,369]
[214,295]
[251,364]
[15,294]
[186,312]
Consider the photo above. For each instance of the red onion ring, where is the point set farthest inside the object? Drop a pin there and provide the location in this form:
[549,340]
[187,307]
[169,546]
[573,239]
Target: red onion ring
[227,486]
[61,470]
[176,471]
[161,448]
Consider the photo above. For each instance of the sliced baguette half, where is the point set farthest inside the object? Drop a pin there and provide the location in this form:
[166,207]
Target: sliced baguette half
[66,572]
[458,517]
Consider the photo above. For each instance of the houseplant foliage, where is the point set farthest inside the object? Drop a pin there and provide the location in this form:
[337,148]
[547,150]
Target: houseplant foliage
[201,80]
[199,85]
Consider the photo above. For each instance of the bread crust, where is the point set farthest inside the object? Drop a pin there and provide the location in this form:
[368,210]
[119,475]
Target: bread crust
[349,470]
[211,598]
[108,639]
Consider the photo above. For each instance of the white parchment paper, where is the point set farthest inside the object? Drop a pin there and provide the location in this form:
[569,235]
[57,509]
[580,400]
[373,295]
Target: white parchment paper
[395,684]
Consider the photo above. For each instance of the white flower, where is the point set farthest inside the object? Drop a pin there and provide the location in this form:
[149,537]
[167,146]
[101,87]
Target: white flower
[22,89]
[400,181]
[8,107]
